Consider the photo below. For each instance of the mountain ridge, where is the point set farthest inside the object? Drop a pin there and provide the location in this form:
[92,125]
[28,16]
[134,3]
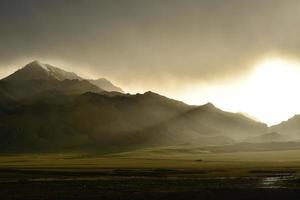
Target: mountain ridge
[37,70]
[105,84]
[42,113]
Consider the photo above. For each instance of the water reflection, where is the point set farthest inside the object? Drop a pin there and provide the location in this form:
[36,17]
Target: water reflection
[278,181]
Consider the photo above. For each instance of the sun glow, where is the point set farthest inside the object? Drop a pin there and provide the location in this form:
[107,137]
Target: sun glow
[270,93]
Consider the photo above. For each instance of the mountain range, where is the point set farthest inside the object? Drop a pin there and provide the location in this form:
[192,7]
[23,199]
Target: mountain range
[44,108]
[36,78]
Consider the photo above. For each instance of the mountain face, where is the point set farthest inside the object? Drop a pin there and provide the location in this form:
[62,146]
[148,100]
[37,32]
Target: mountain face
[105,85]
[18,90]
[36,79]
[99,122]
[209,125]
[268,137]
[289,128]
[87,121]
[43,108]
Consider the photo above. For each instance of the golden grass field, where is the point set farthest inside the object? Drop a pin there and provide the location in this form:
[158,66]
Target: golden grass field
[167,157]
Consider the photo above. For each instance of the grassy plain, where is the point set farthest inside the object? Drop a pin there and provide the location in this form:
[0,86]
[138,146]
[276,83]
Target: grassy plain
[154,173]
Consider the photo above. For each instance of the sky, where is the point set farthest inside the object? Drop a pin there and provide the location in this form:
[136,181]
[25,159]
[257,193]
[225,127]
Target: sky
[241,55]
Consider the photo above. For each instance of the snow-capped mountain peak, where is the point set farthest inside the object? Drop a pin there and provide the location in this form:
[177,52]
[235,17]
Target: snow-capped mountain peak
[37,70]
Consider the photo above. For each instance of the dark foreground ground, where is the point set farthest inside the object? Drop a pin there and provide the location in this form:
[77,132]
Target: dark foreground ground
[146,184]
[152,174]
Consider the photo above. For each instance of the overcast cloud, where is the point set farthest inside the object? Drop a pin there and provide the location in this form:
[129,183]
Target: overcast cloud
[148,45]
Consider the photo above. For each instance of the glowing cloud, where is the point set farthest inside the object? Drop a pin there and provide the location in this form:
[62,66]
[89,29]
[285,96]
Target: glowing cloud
[269,93]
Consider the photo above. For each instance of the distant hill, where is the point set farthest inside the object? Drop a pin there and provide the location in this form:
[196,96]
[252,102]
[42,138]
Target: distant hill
[289,128]
[268,137]
[209,125]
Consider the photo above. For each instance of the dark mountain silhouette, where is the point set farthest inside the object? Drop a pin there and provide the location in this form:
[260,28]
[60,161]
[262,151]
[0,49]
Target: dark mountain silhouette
[86,121]
[37,77]
[101,122]
[32,88]
[49,112]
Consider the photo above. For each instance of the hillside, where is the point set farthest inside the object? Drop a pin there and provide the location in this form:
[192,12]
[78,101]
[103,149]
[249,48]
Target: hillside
[37,77]
[289,128]
[105,85]
[100,122]
[205,125]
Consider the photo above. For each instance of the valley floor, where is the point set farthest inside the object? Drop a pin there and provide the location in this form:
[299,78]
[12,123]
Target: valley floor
[158,173]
